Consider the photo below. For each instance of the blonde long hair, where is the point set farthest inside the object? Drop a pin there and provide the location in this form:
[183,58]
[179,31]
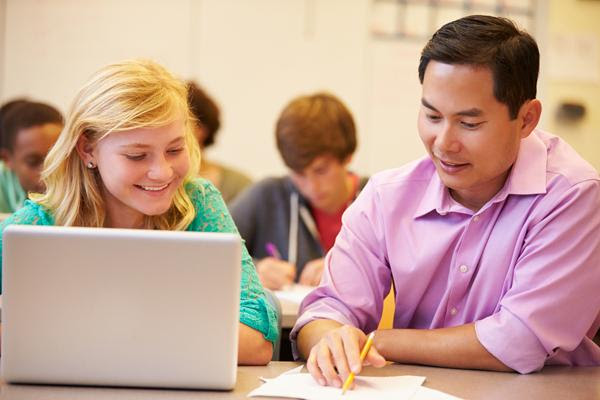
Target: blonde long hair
[119,97]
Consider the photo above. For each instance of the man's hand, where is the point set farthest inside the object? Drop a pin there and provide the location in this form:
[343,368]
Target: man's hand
[339,349]
[312,271]
[275,273]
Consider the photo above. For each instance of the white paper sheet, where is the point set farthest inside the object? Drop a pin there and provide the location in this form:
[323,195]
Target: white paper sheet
[294,293]
[303,386]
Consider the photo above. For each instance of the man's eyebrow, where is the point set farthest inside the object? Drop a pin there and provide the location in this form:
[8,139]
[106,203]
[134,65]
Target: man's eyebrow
[426,104]
[471,112]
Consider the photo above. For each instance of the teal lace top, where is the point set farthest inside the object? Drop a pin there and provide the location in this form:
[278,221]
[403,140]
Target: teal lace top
[211,216]
[12,194]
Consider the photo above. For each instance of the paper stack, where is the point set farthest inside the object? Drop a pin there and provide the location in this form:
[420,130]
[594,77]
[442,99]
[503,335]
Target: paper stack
[297,385]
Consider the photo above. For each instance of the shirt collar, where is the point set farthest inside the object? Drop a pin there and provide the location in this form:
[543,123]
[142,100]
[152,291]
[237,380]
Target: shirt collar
[527,176]
[437,197]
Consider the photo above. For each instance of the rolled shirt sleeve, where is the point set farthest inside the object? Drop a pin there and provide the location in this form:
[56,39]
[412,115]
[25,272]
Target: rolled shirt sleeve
[357,275]
[554,298]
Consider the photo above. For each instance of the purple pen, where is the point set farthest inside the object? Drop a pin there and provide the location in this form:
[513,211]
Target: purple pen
[272,250]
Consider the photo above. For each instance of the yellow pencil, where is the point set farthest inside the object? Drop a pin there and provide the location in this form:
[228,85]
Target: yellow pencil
[363,354]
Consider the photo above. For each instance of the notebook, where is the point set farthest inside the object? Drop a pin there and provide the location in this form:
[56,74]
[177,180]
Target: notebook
[120,307]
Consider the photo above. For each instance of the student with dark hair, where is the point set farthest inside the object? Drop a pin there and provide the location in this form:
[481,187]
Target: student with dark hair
[289,223]
[229,181]
[5,108]
[28,131]
[492,241]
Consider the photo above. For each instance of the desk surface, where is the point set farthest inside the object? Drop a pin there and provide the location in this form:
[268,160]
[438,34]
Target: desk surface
[551,383]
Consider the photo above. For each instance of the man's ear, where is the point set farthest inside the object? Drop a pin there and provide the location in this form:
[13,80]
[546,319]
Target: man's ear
[6,157]
[85,149]
[529,117]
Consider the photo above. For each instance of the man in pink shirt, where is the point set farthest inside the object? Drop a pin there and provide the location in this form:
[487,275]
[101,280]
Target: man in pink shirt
[492,242]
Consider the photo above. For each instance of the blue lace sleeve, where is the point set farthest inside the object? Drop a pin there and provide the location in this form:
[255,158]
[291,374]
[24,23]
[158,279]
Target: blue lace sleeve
[213,216]
[30,214]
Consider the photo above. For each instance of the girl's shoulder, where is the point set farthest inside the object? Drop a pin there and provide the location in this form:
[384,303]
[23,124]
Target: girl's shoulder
[31,213]
[211,211]
[199,189]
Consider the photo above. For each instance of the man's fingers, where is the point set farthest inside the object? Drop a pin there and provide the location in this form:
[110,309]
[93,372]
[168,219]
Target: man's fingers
[374,358]
[351,343]
[325,364]
[313,368]
[338,353]
[329,361]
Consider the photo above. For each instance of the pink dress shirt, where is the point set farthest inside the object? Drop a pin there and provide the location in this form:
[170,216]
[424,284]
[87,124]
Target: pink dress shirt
[525,267]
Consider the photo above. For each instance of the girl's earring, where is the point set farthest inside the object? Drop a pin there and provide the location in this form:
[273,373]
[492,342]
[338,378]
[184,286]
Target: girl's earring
[91,165]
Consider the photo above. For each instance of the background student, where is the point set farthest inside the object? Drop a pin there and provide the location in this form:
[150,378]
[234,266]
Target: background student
[492,242]
[28,131]
[128,158]
[289,223]
[229,181]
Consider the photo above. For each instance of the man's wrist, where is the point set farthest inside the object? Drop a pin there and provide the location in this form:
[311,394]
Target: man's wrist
[311,333]
[389,342]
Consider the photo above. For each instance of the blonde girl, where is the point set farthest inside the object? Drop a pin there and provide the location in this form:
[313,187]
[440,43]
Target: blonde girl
[127,158]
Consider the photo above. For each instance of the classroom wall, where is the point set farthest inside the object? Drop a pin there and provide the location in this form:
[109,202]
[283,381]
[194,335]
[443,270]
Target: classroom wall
[2,30]
[573,44]
[254,56]
[53,46]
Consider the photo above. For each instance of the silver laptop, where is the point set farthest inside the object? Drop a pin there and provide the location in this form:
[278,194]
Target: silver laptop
[120,307]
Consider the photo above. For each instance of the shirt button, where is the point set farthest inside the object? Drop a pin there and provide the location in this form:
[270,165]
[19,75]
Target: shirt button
[453,311]
[463,268]
[476,218]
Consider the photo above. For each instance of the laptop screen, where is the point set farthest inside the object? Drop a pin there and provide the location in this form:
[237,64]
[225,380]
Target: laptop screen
[99,306]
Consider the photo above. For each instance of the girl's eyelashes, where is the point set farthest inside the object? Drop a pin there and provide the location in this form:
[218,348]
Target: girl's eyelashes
[141,156]
[135,157]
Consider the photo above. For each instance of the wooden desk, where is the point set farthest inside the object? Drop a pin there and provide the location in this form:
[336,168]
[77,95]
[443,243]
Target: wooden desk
[551,383]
